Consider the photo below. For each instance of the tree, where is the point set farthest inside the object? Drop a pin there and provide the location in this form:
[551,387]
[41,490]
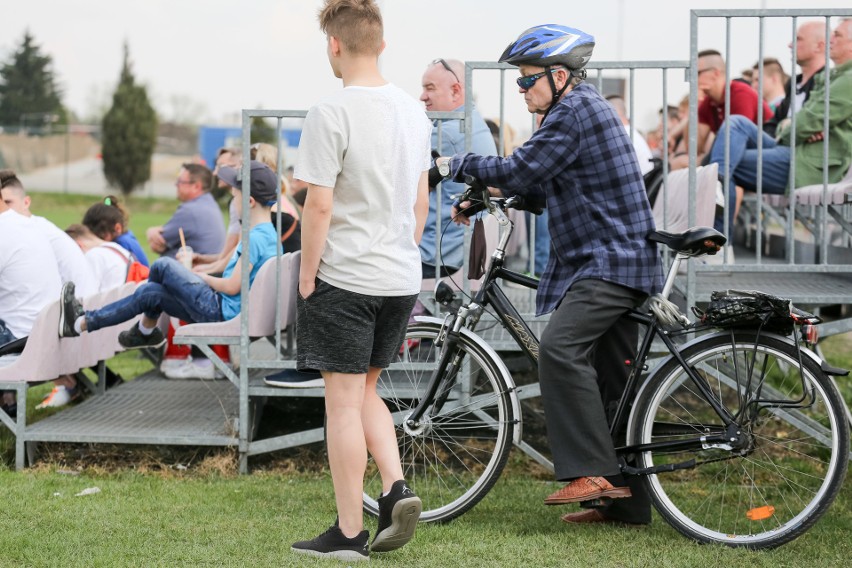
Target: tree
[262,131]
[28,91]
[129,133]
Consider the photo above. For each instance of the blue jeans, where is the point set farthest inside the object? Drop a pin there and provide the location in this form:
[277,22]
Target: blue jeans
[5,335]
[742,162]
[541,242]
[171,288]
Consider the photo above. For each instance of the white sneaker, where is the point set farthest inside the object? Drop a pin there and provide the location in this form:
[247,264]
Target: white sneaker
[192,369]
[170,363]
[59,396]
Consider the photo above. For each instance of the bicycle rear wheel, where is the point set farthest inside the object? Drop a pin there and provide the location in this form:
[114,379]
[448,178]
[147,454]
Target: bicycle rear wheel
[793,463]
[457,453]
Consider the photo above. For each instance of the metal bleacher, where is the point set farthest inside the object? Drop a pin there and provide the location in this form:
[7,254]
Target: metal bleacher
[782,249]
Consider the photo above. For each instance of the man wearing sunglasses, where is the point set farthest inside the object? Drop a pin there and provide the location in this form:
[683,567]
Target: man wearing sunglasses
[581,165]
[443,90]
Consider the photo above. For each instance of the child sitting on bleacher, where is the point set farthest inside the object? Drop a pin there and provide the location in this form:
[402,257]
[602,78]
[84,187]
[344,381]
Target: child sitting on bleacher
[172,288]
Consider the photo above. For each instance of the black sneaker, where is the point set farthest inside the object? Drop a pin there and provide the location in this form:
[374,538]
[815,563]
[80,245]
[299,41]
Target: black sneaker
[69,310]
[135,339]
[334,544]
[399,512]
[293,379]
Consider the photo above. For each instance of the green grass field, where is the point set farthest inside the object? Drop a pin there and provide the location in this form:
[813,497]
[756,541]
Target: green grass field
[187,507]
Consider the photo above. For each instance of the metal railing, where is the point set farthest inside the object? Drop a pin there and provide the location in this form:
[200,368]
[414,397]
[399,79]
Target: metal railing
[773,272]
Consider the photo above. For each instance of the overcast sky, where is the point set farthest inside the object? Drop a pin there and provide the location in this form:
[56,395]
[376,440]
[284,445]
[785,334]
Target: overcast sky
[207,59]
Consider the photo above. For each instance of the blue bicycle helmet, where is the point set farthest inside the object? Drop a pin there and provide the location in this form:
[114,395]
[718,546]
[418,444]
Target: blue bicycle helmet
[550,44]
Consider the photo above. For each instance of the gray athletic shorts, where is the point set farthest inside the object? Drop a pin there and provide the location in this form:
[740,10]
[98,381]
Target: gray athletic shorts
[347,332]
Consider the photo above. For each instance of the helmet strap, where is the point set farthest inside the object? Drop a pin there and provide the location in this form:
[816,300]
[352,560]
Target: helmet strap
[557,93]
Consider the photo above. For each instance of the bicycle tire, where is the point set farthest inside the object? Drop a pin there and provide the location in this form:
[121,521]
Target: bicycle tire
[775,489]
[456,457]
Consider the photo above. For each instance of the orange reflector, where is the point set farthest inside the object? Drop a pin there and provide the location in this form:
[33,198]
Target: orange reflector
[760,513]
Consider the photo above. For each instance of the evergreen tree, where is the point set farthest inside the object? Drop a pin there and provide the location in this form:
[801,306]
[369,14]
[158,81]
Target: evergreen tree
[129,133]
[262,131]
[28,91]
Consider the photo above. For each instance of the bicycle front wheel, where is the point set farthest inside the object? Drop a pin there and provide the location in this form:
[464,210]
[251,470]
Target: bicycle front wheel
[789,464]
[455,455]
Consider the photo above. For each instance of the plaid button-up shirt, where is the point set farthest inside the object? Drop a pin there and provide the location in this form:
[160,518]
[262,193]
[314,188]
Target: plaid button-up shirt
[581,165]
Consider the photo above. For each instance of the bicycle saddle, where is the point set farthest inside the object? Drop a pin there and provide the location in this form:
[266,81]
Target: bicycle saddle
[694,242]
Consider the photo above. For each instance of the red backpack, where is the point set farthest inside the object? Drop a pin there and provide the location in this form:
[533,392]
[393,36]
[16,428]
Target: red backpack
[136,271]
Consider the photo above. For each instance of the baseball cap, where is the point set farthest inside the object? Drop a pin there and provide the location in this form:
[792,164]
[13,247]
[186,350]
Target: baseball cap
[264,181]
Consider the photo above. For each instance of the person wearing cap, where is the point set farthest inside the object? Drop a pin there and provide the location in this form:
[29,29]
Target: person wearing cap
[581,165]
[172,288]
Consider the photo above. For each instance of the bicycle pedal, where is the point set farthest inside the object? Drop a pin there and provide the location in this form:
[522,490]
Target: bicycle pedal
[596,503]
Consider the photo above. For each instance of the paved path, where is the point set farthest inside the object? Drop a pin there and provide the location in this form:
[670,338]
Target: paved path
[86,177]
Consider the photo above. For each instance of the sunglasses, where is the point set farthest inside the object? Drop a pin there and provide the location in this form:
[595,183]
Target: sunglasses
[528,81]
[447,67]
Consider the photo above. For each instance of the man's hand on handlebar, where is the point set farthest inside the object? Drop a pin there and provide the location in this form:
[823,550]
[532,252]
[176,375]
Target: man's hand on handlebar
[462,211]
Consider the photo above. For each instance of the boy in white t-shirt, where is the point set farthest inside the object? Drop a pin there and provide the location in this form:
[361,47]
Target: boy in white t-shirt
[107,261]
[364,153]
[72,264]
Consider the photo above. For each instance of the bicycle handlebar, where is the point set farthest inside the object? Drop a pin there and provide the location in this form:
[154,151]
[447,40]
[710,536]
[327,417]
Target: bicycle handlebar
[480,199]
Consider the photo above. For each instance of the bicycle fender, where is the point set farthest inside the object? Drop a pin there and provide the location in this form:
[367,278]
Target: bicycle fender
[805,351]
[498,361]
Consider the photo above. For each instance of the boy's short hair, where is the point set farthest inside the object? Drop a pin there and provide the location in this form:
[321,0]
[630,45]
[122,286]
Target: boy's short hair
[9,179]
[77,231]
[357,24]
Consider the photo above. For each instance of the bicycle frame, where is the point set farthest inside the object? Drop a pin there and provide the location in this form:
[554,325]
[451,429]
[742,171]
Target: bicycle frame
[491,294]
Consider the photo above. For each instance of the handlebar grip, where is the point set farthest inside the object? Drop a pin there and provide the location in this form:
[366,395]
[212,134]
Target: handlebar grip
[522,204]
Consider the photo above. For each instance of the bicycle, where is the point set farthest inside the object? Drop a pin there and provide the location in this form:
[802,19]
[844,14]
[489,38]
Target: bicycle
[740,434]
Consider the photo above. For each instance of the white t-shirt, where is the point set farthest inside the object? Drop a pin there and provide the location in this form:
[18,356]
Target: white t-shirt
[29,275]
[371,145]
[109,265]
[70,258]
[643,152]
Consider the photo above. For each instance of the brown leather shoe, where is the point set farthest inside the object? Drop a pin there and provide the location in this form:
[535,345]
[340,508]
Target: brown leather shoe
[585,489]
[586,516]
[589,516]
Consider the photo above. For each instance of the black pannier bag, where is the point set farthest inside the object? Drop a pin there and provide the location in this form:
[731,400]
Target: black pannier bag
[747,309]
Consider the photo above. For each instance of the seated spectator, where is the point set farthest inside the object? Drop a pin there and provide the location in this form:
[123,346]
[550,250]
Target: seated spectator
[290,229]
[679,137]
[108,261]
[655,137]
[29,281]
[198,215]
[268,154]
[809,123]
[181,293]
[298,190]
[711,113]
[110,220]
[232,158]
[643,152]
[73,266]
[810,57]
[774,80]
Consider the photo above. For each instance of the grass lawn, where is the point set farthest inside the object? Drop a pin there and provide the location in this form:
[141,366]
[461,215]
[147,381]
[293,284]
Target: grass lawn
[207,520]
[189,508]
[66,209]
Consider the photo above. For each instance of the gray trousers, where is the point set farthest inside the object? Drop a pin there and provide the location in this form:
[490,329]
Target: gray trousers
[582,373]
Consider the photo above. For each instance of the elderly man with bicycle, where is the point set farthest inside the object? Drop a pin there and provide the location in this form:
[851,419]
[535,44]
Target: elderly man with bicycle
[581,165]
